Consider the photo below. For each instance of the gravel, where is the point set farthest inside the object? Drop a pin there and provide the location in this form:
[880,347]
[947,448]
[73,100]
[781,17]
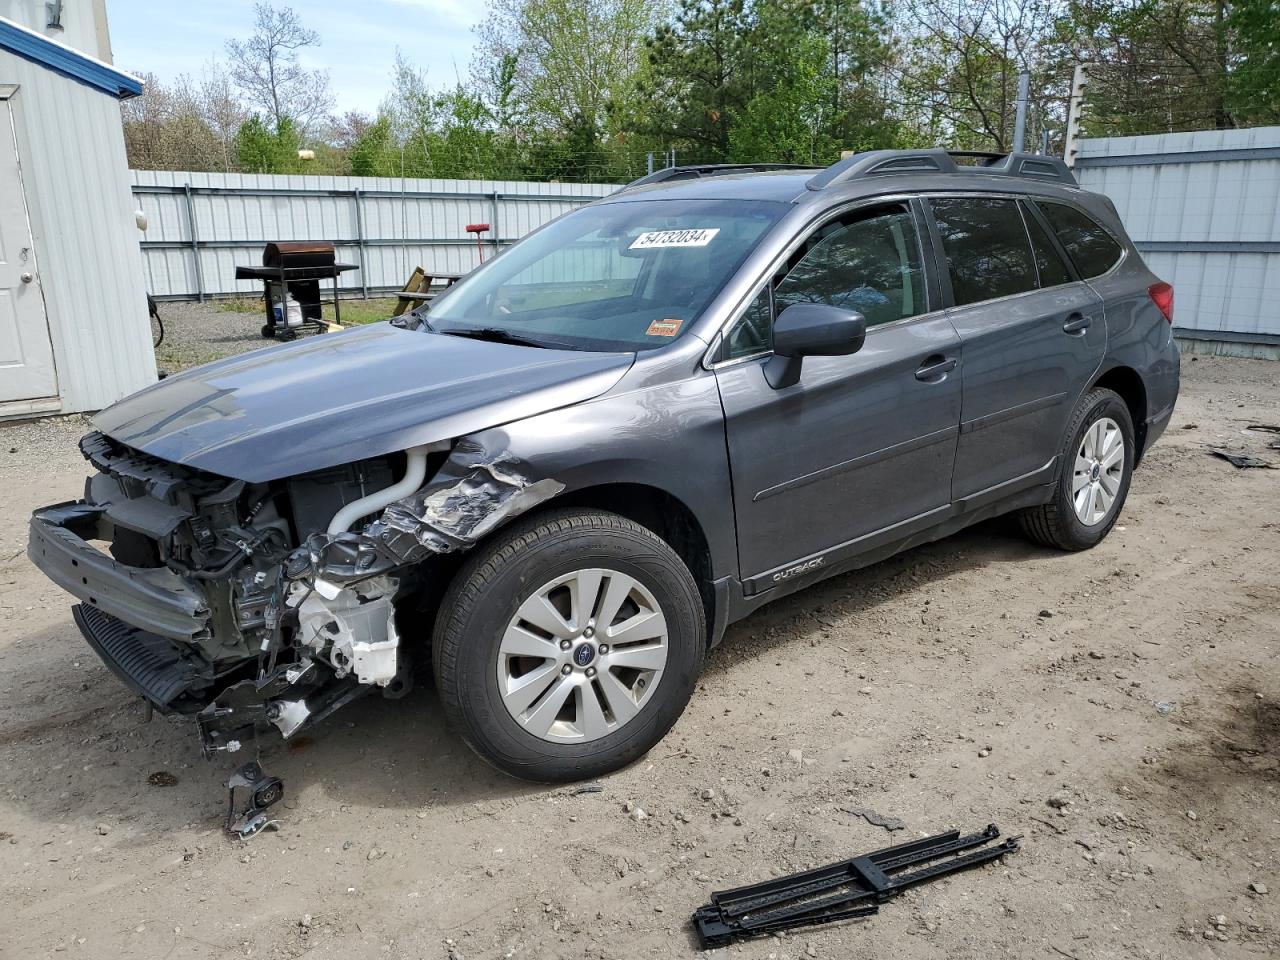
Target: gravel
[196,333]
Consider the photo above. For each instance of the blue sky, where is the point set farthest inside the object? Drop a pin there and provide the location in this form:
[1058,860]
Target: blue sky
[358,39]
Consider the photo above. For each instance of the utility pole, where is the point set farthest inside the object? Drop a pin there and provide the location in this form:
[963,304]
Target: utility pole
[1020,117]
[1078,80]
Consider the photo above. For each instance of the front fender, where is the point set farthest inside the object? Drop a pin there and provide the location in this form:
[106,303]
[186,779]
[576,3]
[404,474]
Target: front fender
[668,436]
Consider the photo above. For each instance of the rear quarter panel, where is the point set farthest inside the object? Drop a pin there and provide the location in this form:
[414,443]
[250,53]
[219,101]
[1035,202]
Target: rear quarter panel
[1138,336]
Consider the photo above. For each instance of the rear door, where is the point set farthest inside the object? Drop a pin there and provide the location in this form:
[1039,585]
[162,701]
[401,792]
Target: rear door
[860,450]
[26,355]
[1032,335]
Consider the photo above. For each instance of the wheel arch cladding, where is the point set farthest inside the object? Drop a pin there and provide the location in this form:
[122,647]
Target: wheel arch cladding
[1127,382]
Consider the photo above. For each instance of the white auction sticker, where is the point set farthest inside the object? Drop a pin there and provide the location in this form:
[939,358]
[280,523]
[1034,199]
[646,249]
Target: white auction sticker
[674,238]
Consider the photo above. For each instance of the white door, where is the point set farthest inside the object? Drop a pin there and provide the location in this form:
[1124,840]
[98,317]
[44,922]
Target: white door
[26,355]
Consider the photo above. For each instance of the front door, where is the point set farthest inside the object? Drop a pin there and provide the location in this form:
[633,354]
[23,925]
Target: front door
[26,355]
[860,450]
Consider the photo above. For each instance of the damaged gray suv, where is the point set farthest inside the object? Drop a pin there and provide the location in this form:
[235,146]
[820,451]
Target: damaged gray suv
[557,485]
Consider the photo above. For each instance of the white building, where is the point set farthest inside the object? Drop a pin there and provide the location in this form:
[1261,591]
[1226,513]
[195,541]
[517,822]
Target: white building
[74,331]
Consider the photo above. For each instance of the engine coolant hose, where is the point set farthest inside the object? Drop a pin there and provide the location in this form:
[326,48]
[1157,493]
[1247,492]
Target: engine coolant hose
[414,473]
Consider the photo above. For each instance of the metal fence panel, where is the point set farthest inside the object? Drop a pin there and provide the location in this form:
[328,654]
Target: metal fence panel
[1203,208]
[202,225]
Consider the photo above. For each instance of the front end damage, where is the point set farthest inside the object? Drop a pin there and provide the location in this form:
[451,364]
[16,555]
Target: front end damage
[253,606]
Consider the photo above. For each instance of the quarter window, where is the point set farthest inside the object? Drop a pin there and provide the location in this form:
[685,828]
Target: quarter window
[869,262]
[986,246]
[1088,243]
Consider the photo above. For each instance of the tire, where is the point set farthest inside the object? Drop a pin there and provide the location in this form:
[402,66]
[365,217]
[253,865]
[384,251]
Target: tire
[1060,523]
[482,620]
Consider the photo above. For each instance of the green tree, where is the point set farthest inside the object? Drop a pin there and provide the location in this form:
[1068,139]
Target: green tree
[375,152]
[260,148]
[960,63]
[695,84]
[769,80]
[793,95]
[1160,65]
[567,62]
[1254,88]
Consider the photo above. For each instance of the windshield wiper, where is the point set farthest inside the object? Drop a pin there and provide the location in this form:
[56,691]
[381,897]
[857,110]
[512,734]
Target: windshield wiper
[493,335]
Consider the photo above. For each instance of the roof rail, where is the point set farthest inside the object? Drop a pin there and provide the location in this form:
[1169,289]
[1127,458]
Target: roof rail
[697,171]
[882,162]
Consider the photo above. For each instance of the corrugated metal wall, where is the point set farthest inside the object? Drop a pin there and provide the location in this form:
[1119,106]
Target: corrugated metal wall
[76,178]
[202,225]
[1204,210]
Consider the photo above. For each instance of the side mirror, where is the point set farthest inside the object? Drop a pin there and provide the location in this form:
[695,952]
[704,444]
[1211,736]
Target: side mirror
[811,330]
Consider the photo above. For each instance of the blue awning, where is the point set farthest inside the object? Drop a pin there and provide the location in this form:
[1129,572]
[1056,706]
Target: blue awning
[62,59]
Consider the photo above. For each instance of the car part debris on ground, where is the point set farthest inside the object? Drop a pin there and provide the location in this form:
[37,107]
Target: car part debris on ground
[250,793]
[877,819]
[1239,460]
[841,891]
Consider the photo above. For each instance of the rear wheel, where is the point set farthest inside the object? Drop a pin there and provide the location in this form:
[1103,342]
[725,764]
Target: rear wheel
[568,647]
[1097,458]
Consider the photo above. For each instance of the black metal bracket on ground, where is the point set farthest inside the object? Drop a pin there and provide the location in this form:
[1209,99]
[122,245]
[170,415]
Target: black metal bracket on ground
[249,793]
[841,891]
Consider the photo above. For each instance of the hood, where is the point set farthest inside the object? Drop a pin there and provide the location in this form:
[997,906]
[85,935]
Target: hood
[339,397]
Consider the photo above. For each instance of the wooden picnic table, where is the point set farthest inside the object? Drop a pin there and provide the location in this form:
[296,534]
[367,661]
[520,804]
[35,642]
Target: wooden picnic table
[419,288]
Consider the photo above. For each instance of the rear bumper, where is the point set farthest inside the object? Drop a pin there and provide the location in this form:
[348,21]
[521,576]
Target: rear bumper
[155,600]
[1163,385]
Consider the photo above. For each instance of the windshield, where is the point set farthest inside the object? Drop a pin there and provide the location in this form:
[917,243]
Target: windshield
[618,276]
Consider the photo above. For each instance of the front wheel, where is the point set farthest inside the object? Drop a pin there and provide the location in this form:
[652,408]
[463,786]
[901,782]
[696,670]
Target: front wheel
[568,647]
[1097,464]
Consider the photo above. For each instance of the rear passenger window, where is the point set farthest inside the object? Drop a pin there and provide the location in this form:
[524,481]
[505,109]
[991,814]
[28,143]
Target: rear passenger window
[1090,246]
[1053,271]
[986,246]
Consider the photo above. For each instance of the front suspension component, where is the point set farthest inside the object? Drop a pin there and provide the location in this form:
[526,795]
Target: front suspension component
[249,793]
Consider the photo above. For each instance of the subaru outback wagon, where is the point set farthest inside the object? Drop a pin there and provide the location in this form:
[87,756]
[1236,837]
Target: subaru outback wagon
[559,483]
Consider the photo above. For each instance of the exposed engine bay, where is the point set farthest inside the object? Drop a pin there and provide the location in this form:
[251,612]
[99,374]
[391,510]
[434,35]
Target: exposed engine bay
[254,606]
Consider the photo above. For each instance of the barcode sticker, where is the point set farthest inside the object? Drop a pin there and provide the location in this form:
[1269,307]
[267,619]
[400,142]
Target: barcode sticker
[674,238]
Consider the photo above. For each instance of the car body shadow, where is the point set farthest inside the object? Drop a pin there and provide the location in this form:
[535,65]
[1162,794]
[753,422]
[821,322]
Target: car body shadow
[95,756]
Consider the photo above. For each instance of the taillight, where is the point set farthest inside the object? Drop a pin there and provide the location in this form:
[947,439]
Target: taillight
[1162,296]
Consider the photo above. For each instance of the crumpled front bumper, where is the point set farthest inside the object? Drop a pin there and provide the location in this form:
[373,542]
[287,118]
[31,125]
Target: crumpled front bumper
[153,599]
[145,623]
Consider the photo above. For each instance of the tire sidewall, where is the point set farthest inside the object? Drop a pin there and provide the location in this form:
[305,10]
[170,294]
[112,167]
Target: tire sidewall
[1099,404]
[486,722]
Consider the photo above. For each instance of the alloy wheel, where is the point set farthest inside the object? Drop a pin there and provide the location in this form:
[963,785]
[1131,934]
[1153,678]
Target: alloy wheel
[1099,469]
[582,655]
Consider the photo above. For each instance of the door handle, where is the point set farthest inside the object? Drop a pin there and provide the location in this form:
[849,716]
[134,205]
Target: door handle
[1076,323]
[935,368]
[27,277]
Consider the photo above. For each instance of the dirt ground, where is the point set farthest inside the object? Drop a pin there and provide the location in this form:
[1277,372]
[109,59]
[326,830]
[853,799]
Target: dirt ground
[980,679]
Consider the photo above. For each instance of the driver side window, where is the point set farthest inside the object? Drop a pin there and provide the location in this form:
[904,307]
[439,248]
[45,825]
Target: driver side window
[869,262]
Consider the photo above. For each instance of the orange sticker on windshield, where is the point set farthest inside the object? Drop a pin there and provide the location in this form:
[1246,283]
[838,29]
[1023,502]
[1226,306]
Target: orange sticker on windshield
[663,328]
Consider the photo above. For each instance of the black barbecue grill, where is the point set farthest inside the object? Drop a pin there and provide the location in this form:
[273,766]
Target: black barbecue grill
[295,268]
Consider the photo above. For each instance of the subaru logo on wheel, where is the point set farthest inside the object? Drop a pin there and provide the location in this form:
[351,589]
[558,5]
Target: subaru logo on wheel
[584,654]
